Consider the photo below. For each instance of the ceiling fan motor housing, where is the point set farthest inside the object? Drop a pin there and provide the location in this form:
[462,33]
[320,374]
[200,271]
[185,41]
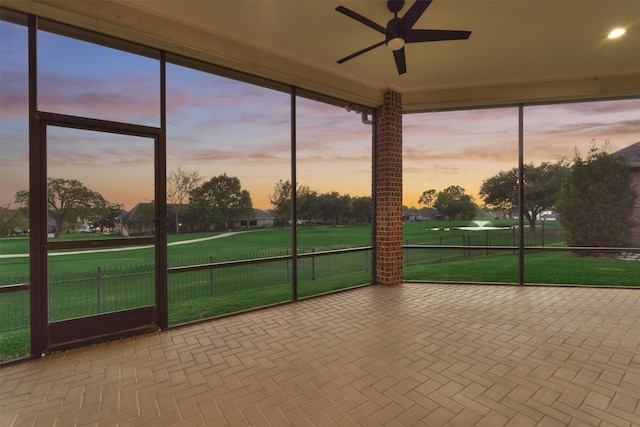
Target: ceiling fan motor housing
[394,30]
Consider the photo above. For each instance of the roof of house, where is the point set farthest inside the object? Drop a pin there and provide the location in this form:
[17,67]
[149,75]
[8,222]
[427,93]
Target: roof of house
[263,214]
[632,154]
[134,210]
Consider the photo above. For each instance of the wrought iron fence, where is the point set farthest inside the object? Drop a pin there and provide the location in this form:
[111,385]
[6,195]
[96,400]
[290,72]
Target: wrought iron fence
[14,305]
[110,289]
[482,243]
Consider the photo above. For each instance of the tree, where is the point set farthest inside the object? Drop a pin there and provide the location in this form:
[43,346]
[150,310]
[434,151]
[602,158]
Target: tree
[453,203]
[362,209]
[282,206]
[106,218]
[333,207]
[67,200]
[541,189]
[597,199]
[501,191]
[11,219]
[427,198]
[306,203]
[179,184]
[218,200]
[281,202]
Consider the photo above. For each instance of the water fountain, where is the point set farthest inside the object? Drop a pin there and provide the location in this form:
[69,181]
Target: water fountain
[480,224]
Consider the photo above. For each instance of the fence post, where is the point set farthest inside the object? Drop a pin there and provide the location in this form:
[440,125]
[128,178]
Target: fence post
[486,242]
[98,280]
[287,266]
[313,265]
[464,243]
[211,277]
[366,261]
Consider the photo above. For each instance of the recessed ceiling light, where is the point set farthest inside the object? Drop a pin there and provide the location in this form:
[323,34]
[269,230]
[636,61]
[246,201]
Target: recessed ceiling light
[617,32]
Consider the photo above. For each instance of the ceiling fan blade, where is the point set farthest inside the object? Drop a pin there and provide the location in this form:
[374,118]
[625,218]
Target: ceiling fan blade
[360,52]
[413,14]
[366,21]
[401,64]
[417,36]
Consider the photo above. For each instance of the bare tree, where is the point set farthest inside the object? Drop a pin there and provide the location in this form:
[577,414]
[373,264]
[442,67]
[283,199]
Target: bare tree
[428,197]
[179,184]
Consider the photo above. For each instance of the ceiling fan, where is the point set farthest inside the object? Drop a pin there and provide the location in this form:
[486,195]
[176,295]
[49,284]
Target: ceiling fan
[399,31]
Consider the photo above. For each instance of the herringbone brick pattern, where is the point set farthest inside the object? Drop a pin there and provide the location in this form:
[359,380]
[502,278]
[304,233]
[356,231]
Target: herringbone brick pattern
[418,354]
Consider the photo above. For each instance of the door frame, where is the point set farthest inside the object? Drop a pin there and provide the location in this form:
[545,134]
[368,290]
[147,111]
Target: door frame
[48,336]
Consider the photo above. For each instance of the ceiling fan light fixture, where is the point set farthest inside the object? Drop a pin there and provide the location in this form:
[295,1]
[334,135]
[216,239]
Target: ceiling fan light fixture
[615,33]
[395,43]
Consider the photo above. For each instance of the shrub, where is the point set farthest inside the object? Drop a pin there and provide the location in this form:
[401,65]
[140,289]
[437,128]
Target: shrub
[596,200]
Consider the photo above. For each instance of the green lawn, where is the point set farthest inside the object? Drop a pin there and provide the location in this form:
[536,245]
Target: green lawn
[540,268]
[243,245]
[192,296]
[14,344]
[205,294]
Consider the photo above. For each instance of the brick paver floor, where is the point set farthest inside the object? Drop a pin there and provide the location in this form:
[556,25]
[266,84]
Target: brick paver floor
[418,354]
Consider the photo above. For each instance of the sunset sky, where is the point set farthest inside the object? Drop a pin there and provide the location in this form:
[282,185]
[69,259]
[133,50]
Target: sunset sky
[217,125]
[466,147]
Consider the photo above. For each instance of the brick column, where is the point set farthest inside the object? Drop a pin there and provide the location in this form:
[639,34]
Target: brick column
[388,191]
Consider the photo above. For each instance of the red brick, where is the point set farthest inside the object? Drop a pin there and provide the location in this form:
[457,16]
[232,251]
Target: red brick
[388,147]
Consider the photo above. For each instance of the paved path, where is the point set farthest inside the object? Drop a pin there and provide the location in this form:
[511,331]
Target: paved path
[126,248]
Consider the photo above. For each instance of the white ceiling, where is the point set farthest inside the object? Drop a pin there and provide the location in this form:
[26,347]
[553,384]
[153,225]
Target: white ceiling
[519,50]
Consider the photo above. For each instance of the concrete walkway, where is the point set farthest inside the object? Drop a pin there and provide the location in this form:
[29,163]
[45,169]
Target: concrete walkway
[124,248]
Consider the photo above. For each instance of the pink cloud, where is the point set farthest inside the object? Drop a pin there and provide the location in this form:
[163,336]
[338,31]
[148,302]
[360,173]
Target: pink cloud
[131,101]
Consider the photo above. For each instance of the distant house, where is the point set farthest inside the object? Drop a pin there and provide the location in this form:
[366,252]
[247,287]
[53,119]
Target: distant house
[409,216]
[547,215]
[139,220]
[82,226]
[423,214]
[632,154]
[261,218]
[429,213]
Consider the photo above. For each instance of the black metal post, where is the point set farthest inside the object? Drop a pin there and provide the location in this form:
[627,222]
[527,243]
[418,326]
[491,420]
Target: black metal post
[294,204]
[39,308]
[161,285]
[98,289]
[211,277]
[521,192]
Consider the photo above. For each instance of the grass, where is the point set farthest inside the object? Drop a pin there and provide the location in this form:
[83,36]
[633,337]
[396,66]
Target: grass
[243,245]
[539,268]
[208,307]
[194,296]
[14,344]
[233,289]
